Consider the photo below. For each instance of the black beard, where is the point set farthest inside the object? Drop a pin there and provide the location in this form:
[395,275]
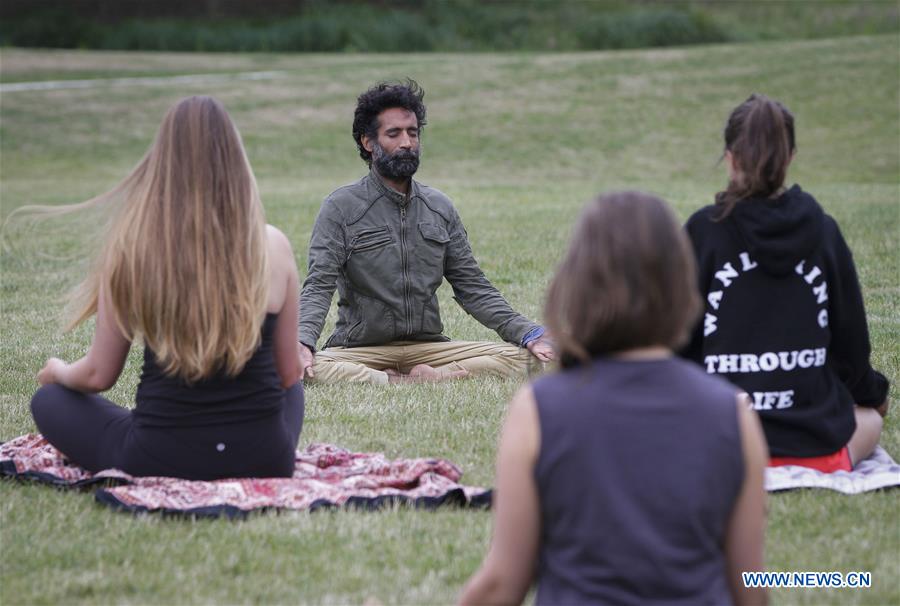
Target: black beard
[402,164]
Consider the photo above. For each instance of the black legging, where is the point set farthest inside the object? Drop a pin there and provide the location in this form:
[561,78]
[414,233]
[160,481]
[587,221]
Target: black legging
[97,434]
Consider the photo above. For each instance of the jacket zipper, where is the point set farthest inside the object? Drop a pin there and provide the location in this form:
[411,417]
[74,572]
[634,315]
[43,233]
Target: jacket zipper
[405,262]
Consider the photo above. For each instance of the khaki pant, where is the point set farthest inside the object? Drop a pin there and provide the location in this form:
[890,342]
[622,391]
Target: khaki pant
[367,364]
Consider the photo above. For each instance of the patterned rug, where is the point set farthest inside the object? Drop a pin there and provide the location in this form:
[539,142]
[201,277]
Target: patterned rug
[325,476]
[878,471]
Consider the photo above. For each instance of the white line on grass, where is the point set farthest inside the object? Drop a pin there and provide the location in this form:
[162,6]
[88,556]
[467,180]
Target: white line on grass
[13,87]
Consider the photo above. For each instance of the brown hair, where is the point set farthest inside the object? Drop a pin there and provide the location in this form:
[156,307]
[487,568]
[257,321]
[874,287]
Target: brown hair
[184,260]
[628,280]
[760,136]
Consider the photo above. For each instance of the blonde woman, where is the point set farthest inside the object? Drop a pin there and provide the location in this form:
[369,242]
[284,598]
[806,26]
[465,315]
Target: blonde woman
[191,269]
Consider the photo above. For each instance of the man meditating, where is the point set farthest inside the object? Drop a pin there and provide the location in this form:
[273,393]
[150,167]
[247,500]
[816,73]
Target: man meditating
[387,242]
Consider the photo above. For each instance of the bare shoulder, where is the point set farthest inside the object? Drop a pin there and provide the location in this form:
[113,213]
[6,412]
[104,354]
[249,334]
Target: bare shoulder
[756,452]
[523,404]
[278,244]
[522,430]
[282,268]
[276,237]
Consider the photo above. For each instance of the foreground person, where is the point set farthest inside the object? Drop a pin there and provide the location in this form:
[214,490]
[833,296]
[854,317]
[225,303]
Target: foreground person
[784,313]
[630,476]
[386,243]
[189,267]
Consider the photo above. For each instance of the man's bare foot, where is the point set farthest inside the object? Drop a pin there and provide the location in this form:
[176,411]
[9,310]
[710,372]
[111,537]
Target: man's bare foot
[423,373]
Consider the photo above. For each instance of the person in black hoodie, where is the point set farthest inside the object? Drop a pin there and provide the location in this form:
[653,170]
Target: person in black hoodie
[784,317]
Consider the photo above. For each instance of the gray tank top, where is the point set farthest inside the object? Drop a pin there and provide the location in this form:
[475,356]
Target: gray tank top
[639,468]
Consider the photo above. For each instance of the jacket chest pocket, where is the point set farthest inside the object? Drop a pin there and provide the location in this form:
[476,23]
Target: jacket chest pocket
[434,240]
[370,239]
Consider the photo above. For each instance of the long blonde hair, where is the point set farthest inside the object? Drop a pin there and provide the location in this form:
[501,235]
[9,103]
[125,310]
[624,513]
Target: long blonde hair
[184,262]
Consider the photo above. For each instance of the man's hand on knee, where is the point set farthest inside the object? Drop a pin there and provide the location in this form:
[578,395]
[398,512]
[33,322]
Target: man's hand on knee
[541,348]
[307,358]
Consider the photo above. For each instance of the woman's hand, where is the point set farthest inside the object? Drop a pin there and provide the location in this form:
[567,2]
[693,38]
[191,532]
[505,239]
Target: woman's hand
[51,371]
[98,370]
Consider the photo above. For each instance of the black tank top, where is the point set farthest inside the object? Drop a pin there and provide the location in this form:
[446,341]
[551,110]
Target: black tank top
[639,468]
[253,394]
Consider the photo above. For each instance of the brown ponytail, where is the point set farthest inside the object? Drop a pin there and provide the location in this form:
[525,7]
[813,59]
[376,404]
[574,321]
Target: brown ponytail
[760,136]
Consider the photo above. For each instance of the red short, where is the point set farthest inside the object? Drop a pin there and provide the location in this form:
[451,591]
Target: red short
[836,461]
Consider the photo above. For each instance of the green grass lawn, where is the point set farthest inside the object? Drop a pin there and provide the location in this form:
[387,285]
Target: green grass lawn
[519,142]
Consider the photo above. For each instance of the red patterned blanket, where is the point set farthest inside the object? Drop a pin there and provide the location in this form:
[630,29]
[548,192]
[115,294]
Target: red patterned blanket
[325,476]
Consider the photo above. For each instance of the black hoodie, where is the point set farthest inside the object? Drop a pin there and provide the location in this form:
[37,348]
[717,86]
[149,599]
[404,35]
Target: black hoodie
[784,319]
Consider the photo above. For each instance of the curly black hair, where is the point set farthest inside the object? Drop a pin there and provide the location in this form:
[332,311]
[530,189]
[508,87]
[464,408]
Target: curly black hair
[382,96]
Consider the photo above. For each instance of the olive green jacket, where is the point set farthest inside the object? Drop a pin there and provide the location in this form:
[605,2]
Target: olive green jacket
[387,255]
